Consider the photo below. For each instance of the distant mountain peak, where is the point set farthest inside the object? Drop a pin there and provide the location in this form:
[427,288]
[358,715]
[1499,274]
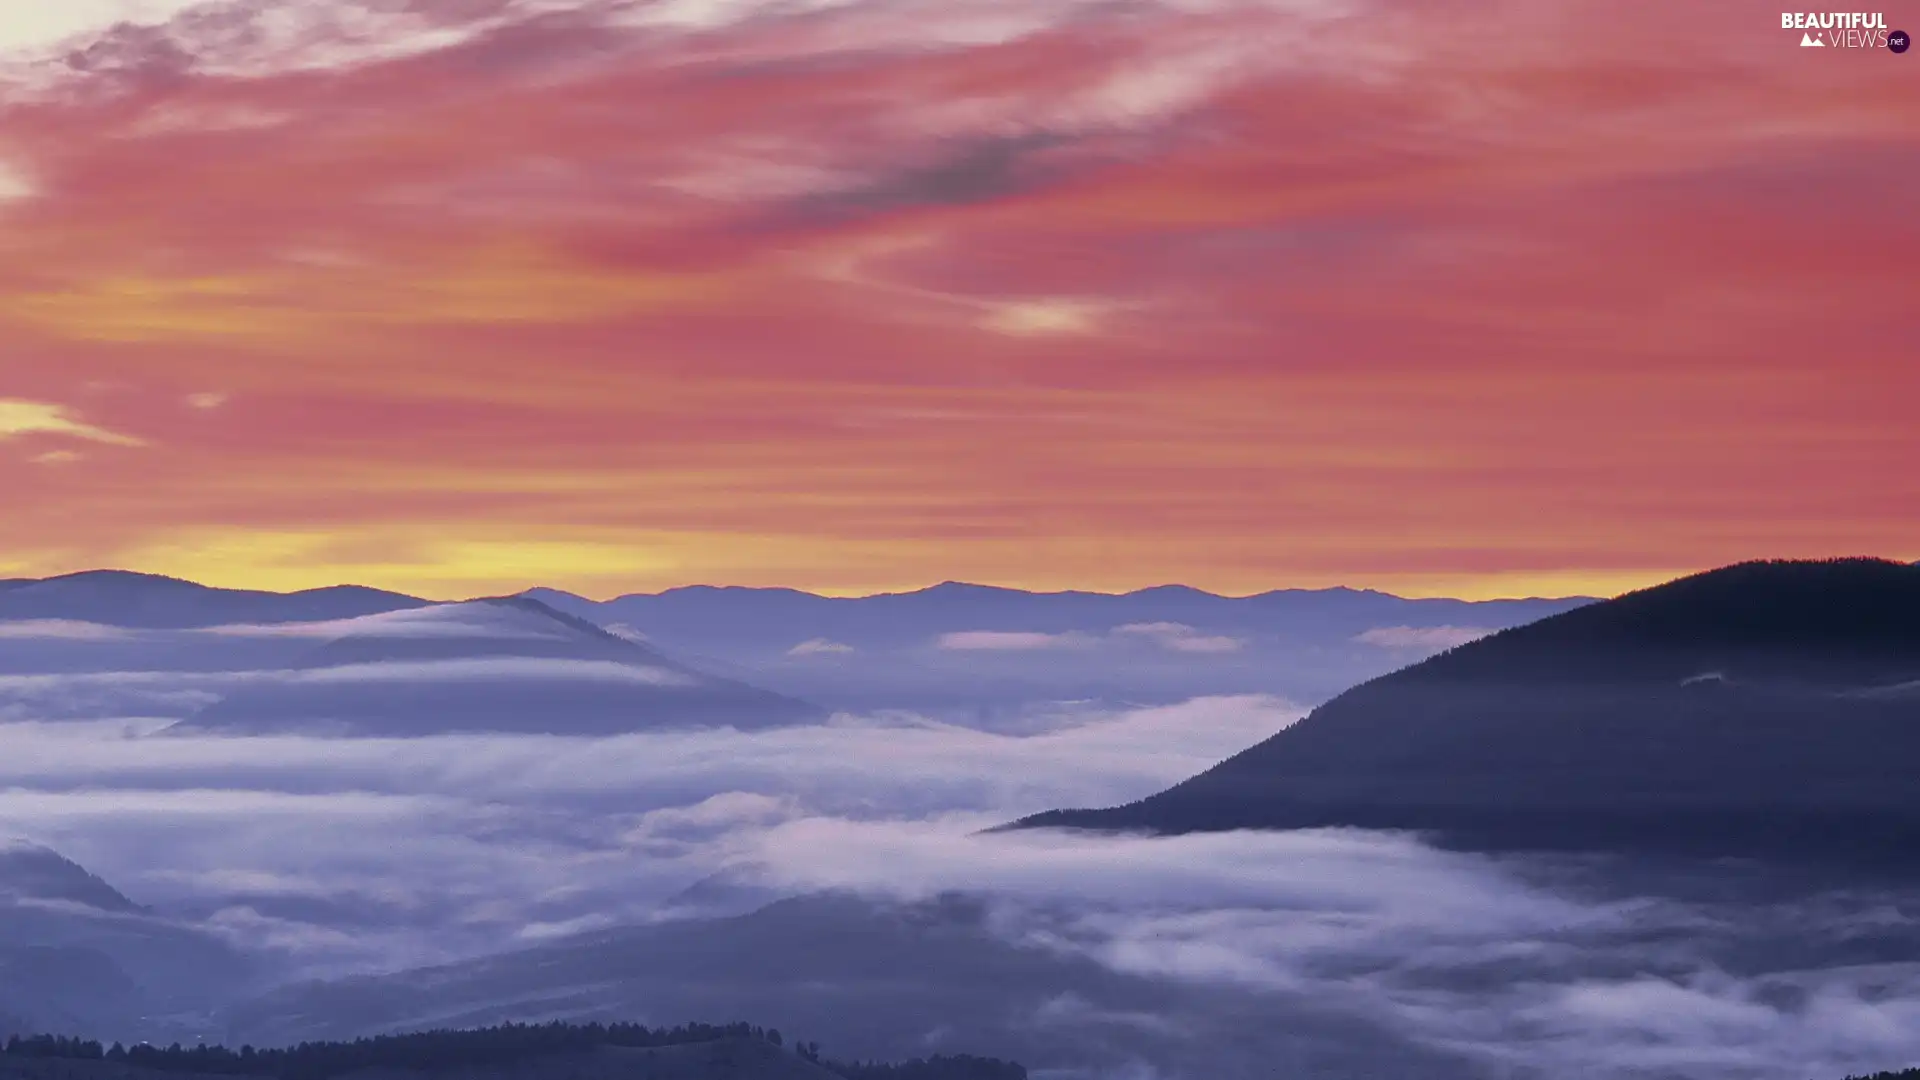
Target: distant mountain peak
[111,576]
[951,588]
[531,606]
[1172,590]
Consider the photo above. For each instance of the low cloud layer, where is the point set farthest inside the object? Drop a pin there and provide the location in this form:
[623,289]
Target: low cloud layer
[342,855]
[489,668]
[479,837]
[1013,640]
[820,647]
[1180,637]
[1172,636]
[464,620]
[61,630]
[19,419]
[1421,637]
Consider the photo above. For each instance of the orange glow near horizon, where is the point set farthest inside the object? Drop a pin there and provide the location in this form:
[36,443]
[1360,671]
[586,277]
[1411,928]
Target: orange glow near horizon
[1497,300]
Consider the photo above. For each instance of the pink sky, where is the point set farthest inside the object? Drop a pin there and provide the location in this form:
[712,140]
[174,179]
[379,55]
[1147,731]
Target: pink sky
[454,296]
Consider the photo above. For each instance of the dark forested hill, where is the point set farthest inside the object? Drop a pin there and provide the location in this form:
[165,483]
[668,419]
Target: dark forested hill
[505,1052]
[512,1052]
[1763,709]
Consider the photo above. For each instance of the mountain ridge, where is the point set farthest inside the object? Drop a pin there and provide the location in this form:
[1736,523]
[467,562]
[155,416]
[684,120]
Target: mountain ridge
[966,587]
[140,578]
[962,652]
[155,601]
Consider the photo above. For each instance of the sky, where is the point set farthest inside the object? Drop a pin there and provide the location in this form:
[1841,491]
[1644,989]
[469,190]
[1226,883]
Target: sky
[459,296]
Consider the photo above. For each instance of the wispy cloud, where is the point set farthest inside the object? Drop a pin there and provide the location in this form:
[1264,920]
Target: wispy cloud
[62,630]
[1180,637]
[1421,637]
[21,418]
[628,821]
[820,647]
[1174,637]
[1508,964]
[482,669]
[14,184]
[1517,965]
[1050,201]
[433,621]
[1012,641]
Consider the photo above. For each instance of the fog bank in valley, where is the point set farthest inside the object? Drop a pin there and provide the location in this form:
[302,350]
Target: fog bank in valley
[332,856]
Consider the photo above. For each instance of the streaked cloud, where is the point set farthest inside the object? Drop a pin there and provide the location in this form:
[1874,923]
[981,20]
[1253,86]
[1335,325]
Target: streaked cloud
[62,630]
[1049,295]
[20,418]
[1041,317]
[468,620]
[493,667]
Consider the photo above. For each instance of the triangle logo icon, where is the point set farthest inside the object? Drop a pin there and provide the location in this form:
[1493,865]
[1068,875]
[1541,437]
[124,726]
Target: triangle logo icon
[1809,41]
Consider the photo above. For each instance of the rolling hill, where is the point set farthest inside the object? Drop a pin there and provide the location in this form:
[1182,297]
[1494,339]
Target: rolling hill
[77,955]
[496,665]
[870,979]
[29,871]
[151,601]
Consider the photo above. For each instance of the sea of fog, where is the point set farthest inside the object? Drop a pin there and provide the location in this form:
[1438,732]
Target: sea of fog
[331,856]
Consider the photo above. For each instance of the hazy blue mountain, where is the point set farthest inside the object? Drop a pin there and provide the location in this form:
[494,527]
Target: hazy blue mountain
[124,598]
[506,664]
[707,617]
[979,649]
[29,871]
[978,654]
[1764,708]
[65,988]
[869,981]
[76,955]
